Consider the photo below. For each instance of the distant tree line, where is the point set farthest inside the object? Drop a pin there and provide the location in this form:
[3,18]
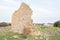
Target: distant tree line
[57,24]
[3,24]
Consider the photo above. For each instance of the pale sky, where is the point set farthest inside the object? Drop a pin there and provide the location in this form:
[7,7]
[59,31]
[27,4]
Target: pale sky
[44,11]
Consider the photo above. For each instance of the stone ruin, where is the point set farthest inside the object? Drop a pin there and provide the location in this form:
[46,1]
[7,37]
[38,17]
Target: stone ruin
[21,20]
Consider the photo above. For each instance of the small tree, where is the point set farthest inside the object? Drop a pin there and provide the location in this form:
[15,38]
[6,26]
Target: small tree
[57,24]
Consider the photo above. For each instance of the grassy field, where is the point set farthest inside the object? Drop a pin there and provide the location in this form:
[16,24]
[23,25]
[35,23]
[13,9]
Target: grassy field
[50,33]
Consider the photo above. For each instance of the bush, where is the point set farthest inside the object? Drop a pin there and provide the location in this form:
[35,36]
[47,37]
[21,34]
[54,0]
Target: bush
[57,24]
[3,24]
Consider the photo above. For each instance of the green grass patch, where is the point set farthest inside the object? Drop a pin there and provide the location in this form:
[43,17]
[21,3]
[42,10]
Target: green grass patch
[54,38]
[9,35]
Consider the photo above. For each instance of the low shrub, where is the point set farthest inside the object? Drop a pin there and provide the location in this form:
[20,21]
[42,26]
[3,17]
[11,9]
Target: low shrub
[57,24]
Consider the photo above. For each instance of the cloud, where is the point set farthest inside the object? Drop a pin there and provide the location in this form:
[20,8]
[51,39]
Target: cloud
[44,15]
[6,0]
